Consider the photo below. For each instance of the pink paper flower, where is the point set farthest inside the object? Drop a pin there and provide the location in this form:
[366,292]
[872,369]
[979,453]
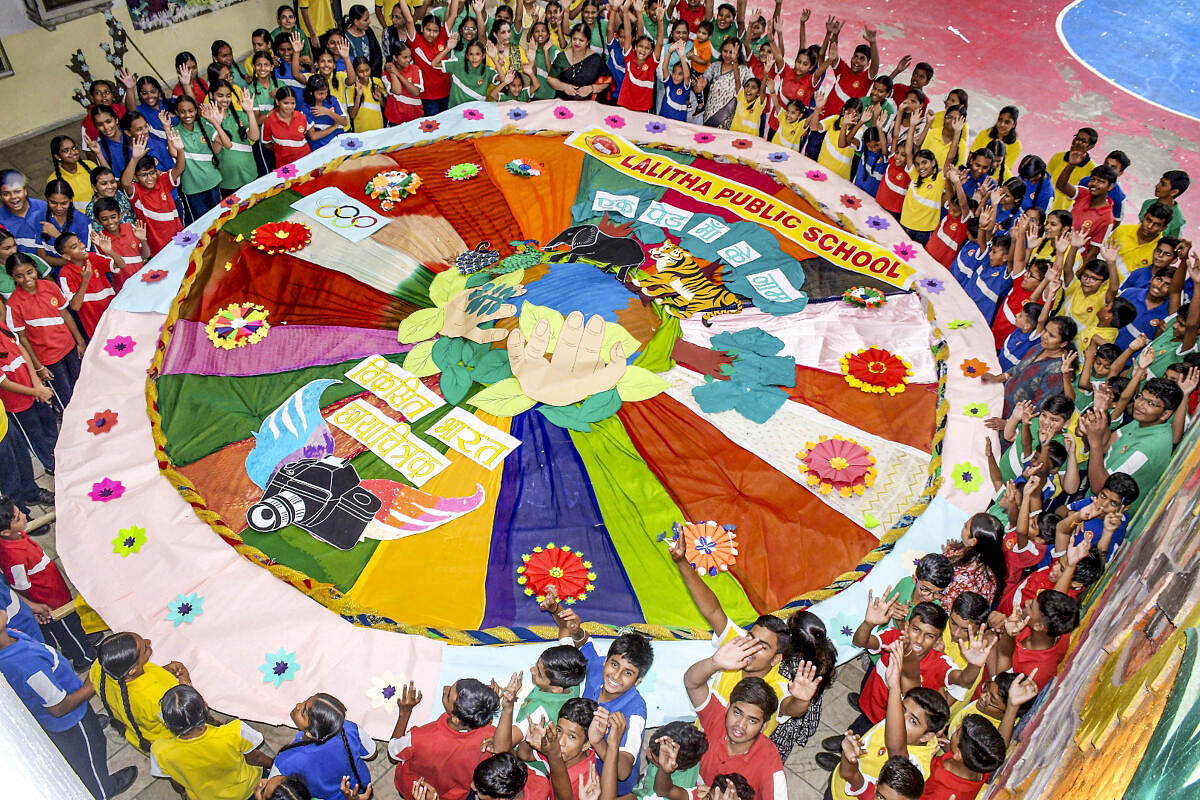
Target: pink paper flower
[815,175]
[287,171]
[904,250]
[472,114]
[850,201]
[119,346]
[562,112]
[231,201]
[106,489]
[703,138]
[614,121]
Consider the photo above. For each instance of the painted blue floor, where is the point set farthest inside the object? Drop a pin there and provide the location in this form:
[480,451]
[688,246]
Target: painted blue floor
[1150,48]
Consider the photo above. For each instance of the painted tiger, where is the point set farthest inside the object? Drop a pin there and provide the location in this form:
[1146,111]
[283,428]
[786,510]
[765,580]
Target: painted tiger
[682,287]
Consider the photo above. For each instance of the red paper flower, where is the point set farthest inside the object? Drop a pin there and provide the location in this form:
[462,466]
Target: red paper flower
[850,201]
[875,371]
[710,548]
[838,463]
[560,567]
[429,125]
[281,237]
[742,144]
[103,422]
[153,275]
[973,368]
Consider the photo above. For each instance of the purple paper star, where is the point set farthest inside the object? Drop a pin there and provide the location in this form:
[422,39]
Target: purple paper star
[932,285]
[185,238]
[878,223]
[778,156]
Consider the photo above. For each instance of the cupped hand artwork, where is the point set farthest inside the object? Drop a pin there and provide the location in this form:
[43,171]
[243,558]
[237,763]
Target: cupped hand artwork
[523,379]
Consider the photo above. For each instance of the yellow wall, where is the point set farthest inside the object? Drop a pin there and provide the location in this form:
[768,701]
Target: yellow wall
[38,95]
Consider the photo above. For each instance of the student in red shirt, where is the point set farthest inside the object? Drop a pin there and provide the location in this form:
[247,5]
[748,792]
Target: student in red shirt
[922,74]
[734,732]
[84,278]
[894,186]
[976,749]
[27,398]
[30,571]
[1092,209]
[1034,639]
[853,79]
[151,190]
[285,129]
[405,86]
[446,751]
[951,232]
[38,314]
[1071,573]
[425,48]
[637,90]
[693,12]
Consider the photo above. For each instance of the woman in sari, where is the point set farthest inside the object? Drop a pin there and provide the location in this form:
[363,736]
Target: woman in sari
[577,73]
[1042,372]
[724,80]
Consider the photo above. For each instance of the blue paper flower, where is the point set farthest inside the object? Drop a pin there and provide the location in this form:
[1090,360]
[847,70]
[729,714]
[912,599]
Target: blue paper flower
[932,285]
[878,223]
[842,627]
[185,238]
[517,113]
[655,127]
[350,142]
[185,608]
[279,666]
[778,156]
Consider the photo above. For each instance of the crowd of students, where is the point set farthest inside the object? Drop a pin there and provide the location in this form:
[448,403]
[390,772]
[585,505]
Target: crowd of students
[1087,300]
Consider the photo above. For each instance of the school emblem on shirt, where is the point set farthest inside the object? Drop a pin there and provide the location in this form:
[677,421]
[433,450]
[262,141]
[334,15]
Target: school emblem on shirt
[54,302]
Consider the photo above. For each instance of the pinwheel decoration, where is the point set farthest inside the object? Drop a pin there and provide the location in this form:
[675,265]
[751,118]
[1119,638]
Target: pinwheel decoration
[560,567]
[836,463]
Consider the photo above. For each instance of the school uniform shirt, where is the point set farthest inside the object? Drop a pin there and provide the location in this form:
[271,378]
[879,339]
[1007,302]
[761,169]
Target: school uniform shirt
[987,288]
[760,766]
[1116,194]
[1016,347]
[614,57]
[443,756]
[943,784]
[1017,559]
[287,138]
[20,615]
[922,209]
[212,765]
[1032,585]
[1167,350]
[467,84]
[837,160]
[39,315]
[26,230]
[28,569]
[1038,194]
[631,704]
[80,182]
[1012,155]
[575,772]
[685,779]
[262,98]
[872,761]
[89,128]
[935,666]
[323,765]
[893,188]
[14,368]
[99,292]
[718,37]
[637,90]
[1146,316]
[747,116]
[78,224]
[970,259]
[724,682]
[201,174]
[1006,315]
[236,163]
[144,693]
[1132,254]
[156,126]
[1141,452]
[435,81]
[1045,662]
[126,244]
[156,207]
[324,128]
[847,85]
[404,106]
[947,239]
[1175,226]
[541,67]
[321,14]
[940,148]
[674,100]
[42,678]
[1054,166]
[692,15]
[369,116]
[1101,217]
[957,715]
[199,89]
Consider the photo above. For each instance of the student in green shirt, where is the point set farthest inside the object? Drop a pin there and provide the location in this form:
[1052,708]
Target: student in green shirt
[8,246]
[672,762]
[470,76]
[1173,183]
[236,133]
[544,53]
[728,24]
[557,676]
[200,181]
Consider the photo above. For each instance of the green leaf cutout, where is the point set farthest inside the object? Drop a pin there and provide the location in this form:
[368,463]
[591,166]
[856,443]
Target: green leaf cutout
[445,285]
[455,383]
[419,360]
[503,399]
[566,417]
[640,384]
[421,324]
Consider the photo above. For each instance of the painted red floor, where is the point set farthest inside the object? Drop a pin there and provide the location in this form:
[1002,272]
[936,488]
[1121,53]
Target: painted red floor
[1010,53]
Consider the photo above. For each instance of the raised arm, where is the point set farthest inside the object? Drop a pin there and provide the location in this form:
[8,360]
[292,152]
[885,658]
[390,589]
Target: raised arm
[895,732]
[706,601]
[873,69]
[878,613]
[735,654]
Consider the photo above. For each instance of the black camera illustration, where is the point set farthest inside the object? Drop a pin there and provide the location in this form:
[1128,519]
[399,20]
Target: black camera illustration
[321,496]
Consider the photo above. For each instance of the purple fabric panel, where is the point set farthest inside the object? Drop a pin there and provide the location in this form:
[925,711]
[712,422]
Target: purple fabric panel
[285,348]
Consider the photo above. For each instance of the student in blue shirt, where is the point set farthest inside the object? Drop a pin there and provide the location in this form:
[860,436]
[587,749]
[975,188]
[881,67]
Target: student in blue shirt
[991,282]
[325,114]
[676,88]
[1104,516]
[978,172]
[871,161]
[1153,304]
[1039,188]
[20,214]
[20,614]
[971,256]
[58,700]
[612,681]
[1030,323]
[326,747]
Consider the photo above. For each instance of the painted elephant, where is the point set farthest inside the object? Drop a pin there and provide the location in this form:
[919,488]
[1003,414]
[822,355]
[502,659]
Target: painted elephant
[591,243]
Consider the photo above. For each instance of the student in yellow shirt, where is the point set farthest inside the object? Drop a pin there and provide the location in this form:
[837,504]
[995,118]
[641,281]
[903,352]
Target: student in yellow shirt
[1136,242]
[1085,139]
[367,95]
[838,147]
[922,209]
[1005,130]
[946,137]
[131,687]
[317,17]
[747,117]
[208,762]
[791,126]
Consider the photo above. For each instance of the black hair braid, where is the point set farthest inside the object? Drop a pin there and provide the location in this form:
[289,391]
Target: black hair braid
[349,755]
[143,744]
[207,139]
[242,130]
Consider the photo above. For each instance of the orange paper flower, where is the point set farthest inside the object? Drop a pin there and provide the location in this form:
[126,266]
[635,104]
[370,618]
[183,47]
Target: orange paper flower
[973,368]
[838,463]
[710,548]
[875,371]
[281,237]
[560,567]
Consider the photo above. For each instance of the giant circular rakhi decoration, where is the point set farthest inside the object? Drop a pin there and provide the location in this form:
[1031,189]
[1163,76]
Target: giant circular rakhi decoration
[561,567]
[378,454]
[281,237]
[864,297]
[875,371]
[838,464]
[391,186]
[238,325]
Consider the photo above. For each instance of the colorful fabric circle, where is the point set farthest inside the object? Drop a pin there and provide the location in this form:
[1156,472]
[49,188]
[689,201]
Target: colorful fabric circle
[238,325]
[838,463]
[281,237]
[875,371]
[560,567]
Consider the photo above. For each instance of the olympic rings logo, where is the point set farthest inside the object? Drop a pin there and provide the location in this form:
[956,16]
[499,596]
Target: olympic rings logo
[339,218]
